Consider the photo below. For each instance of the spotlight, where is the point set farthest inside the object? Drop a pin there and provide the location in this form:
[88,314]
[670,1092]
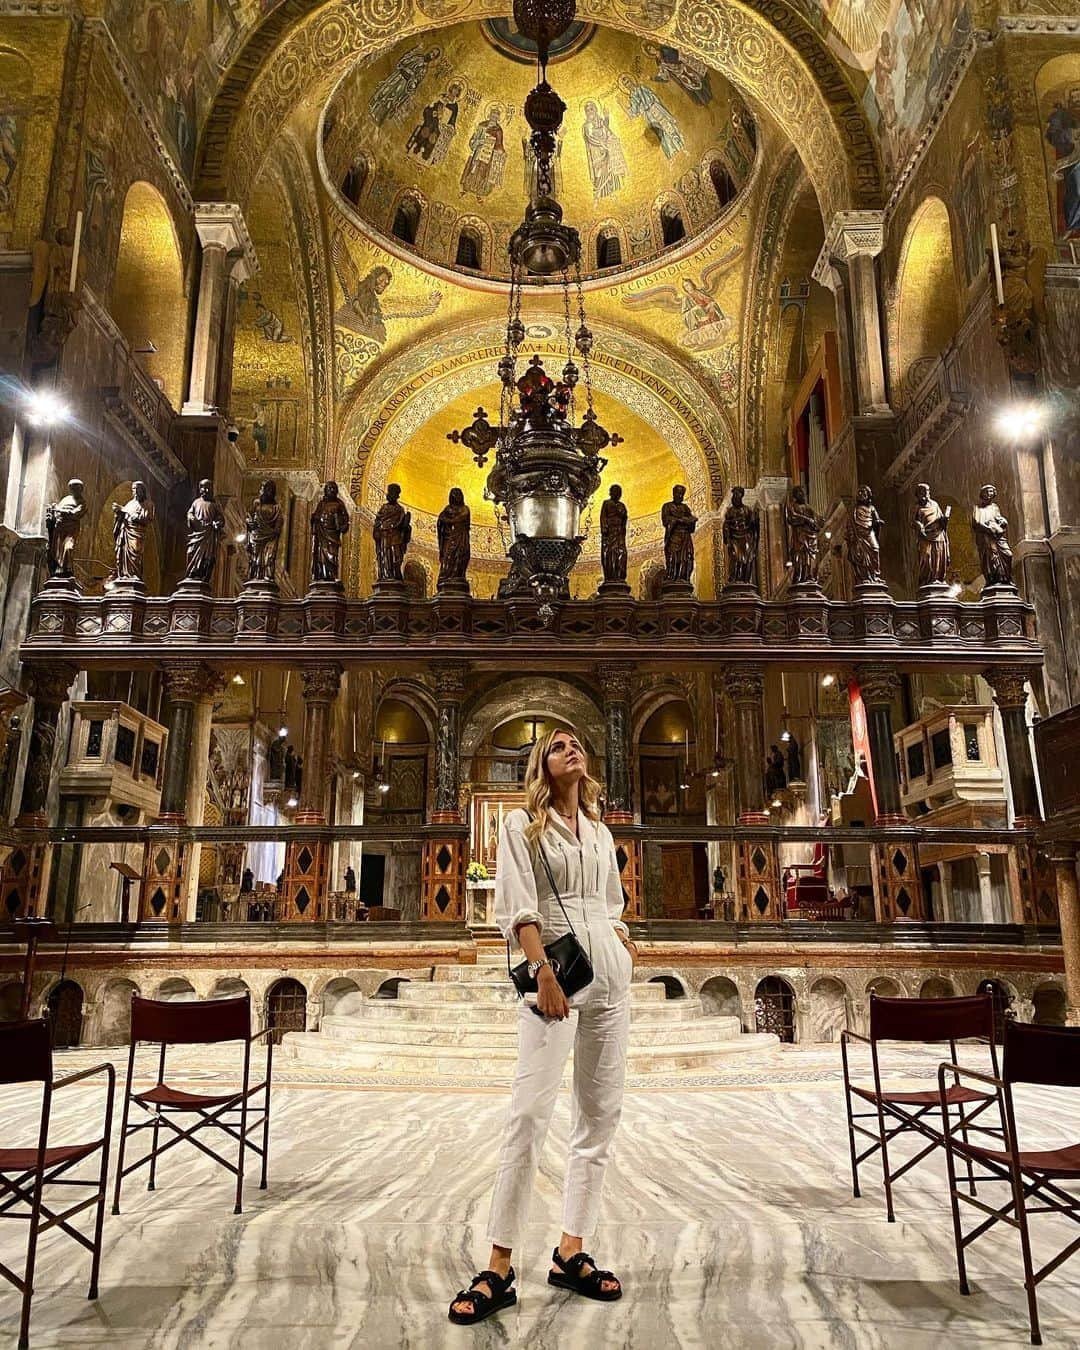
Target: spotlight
[45,408]
[241,538]
[238,678]
[827,681]
[828,534]
[1021,421]
[355,774]
[776,803]
[283,732]
[292,802]
[384,787]
[785,735]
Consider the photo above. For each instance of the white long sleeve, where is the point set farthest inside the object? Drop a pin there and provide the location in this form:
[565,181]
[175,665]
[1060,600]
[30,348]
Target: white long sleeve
[613,891]
[516,901]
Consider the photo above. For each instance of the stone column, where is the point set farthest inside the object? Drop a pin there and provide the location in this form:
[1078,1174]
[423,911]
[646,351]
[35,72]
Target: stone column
[894,867]
[1064,859]
[758,890]
[24,878]
[614,679]
[224,239]
[986,887]
[169,861]
[854,239]
[948,914]
[444,860]
[307,862]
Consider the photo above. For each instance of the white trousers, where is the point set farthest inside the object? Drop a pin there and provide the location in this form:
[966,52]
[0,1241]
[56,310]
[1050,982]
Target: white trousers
[598,1028]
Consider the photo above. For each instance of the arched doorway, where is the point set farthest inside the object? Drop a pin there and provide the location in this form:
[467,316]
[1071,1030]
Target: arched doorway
[1002,1001]
[286,1008]
[774,1007]
[720,998]
[936,987]
[115,1026]
[828,1010]
[65,1011]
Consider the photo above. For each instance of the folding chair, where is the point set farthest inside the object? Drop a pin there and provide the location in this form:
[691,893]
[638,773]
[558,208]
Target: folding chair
[195,1023]
[924,1020]
[26,1057]
[1049,1056]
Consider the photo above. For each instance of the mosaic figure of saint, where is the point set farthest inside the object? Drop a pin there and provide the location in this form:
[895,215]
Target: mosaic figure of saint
[607,163]
[363,311]
[9,158]
[644,103]
[483,171]
[394,91]
[1063,133]
[687,72]
[430,138]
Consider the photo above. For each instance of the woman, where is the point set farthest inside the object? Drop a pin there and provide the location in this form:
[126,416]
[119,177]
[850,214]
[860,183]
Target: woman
[561,823]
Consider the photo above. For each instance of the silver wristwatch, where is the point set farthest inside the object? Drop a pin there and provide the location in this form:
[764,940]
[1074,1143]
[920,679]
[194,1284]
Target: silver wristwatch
[534,967]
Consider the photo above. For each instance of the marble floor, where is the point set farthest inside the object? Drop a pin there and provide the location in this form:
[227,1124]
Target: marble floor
[728,1215]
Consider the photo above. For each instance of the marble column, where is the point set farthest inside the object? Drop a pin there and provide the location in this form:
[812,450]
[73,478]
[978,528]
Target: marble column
[24,878]
[307,862]
[948,914]
[227,258]
[170,861]
[894,866]
[759,895]
[614,679]
[854,240]
[1009,684]
[442,867]
[1064,860]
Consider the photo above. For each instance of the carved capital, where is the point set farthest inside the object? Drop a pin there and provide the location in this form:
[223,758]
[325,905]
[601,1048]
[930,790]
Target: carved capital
[1009,684]
[614,677]
[189,681]
[744,686]
[450,680]
[321,682]
[222,225]
[879,685]
[854,234]
[48,685]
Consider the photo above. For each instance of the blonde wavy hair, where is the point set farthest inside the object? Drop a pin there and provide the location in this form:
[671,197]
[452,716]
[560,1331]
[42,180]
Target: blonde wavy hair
[538,785]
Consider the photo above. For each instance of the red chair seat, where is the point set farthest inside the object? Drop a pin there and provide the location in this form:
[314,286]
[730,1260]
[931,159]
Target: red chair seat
[956,1096]
[1054,1162]
[26,1159]
[163,1095]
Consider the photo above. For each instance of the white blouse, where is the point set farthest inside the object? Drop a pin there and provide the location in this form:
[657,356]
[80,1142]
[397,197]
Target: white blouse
[585,870]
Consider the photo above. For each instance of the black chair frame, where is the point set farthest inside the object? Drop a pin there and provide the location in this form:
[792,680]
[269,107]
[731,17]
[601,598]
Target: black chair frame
[228,1112]
[26,1183]
[1024,1180]
[896,1113]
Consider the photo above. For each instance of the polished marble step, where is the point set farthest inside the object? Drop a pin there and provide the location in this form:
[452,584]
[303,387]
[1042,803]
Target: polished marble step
[503,1011]
[496,991]
[482,1033]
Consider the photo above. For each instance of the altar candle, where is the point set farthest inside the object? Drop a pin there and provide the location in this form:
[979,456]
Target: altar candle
[75,251]
[997,264]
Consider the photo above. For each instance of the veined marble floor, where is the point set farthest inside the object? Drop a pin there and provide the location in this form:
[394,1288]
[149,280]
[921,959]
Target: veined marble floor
[728,1215]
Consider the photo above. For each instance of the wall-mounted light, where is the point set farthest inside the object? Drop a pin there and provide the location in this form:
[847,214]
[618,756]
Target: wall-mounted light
[241,538]
[238,679]
[283,732]
[292,802]
[1021,421]
[384,787]
[46,408]
[827,681]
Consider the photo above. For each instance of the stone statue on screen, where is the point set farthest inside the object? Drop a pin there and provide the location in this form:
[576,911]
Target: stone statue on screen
[455,547]
[794,760]
[804,527]
[329,525]
[392,531]
[205,522]
[131,524]
[265,522]
[742,530]
[864,540]
[350,880]
[991,531]
[679,524]
[614,519]
[288,772]
[63,521]
[275,760]
[775,773]
[932,538]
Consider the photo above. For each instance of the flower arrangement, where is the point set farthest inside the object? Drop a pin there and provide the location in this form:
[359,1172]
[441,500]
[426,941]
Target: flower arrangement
[476,871]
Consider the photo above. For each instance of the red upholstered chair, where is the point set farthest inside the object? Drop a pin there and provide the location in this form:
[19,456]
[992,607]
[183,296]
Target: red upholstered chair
[1049,1056]
[926,1021]
[196,1023]
[26,1057]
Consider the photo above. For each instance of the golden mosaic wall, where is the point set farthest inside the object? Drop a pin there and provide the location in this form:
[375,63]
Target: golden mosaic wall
[31,70]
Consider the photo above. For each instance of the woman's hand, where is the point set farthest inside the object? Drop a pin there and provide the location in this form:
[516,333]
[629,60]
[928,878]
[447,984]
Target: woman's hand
[550,998]
[631,948]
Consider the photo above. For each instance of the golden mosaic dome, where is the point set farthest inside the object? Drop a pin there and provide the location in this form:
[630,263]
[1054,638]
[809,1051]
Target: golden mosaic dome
[427,147]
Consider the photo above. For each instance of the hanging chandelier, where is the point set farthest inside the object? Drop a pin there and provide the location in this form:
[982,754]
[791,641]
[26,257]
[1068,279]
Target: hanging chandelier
[547,459]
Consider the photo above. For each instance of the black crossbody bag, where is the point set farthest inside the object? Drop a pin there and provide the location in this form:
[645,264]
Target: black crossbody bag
[572,967]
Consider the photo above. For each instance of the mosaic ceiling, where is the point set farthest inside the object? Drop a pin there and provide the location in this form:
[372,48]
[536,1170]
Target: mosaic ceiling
[428,145]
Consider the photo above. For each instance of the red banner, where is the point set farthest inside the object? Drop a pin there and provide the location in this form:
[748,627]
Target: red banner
[860,736]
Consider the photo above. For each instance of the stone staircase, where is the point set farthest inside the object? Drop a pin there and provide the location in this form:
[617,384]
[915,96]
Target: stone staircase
[462,1024]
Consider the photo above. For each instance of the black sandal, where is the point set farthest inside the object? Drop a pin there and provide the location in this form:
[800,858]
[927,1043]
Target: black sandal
[589,1286]
[484,1305]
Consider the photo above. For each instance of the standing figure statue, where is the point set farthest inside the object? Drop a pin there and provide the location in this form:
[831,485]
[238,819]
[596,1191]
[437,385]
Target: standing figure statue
[991,531]
[742,530]
[205,522]
[932,537]
[131,524]
[804,527]
[392,531]
[679,524]
[614,519]
[775,775]
[455,548]
[264,524]
[864,539]
[329,525]
[350,880]
[794,760]
[63,520]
